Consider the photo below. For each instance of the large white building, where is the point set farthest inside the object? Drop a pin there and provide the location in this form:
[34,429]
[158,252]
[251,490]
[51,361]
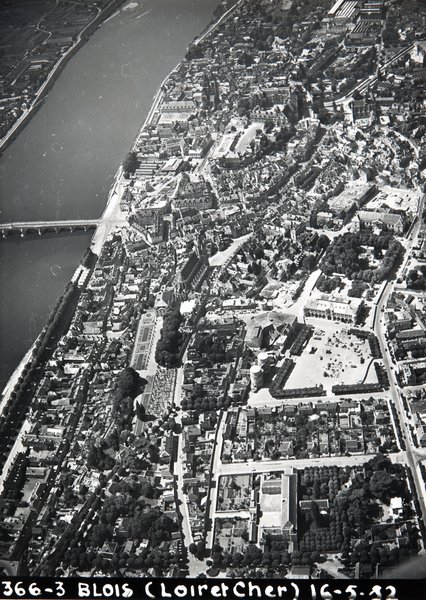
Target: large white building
[278,502]
[366,219]
[334,309]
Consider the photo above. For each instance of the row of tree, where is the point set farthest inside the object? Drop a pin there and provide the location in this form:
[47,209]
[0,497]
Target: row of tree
[22,394]
[127,388]
[169,344]
[126,504]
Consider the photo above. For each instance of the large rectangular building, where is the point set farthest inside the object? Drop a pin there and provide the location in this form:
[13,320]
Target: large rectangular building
[278,505]
[366,219]
[339,309]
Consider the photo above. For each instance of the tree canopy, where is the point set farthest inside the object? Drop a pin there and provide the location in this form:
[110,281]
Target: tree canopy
[130,163]
[169,344]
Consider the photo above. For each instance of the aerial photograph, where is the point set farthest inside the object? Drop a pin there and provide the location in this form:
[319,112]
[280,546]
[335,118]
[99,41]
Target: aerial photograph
[213,290]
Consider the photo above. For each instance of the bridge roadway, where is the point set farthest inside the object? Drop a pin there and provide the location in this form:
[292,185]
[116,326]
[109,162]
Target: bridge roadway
[43,226]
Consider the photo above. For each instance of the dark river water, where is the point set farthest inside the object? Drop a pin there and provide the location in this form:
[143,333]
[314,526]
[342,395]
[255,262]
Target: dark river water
[62,164]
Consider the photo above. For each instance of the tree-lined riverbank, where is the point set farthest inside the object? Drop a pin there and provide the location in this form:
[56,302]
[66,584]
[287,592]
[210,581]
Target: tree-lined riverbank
[62,164]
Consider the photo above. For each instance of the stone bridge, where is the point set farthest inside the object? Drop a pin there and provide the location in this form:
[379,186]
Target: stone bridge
[24,228]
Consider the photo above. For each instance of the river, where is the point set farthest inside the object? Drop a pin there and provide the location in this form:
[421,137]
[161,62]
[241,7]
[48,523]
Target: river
[62,164]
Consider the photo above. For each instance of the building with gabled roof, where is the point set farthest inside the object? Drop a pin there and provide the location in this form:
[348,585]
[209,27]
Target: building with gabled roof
[193,271]
[366,218]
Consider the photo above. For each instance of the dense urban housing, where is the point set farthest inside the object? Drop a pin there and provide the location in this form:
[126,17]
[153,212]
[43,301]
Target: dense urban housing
[233,383]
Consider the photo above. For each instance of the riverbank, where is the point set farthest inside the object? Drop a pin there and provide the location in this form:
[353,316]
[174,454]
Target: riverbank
[112,215]
[62,164]
[57,69]
[13,380]
[16,402]
[111,218]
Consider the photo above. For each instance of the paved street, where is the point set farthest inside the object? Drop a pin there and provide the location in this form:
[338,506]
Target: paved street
[297,307]
[263,398]
[252,466]
[394,390]
[220,259]
[363,85]
[26,114]
[193,564]
[250,145]
[216,474]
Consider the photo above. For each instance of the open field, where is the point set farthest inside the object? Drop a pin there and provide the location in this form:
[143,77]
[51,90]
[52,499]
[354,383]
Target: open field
[332,356]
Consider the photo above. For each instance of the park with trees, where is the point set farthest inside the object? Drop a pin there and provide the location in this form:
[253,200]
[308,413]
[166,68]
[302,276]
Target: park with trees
[347,255]
[354,510]
[341,505]
[328,284]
